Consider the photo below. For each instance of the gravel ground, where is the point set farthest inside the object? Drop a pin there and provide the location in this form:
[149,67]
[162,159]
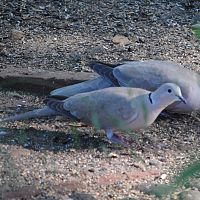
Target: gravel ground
[59,159]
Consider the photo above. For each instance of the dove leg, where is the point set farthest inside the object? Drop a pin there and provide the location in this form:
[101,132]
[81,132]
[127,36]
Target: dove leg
[116,139]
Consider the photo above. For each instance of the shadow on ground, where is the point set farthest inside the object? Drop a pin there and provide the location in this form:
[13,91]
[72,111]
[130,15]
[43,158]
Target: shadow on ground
[38,140]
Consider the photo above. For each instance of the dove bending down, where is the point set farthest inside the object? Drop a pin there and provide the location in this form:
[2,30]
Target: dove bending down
[118,107]
[149,75]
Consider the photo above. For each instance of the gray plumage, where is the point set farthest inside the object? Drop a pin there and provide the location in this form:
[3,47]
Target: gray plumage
[118,107]
[149,75]
[37,113]
[87,86]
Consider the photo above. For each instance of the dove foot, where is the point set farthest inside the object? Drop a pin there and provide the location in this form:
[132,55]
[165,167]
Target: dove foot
[117,139]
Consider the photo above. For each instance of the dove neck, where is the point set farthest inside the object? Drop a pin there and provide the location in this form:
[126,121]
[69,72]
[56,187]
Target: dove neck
[159,102]
[150,99]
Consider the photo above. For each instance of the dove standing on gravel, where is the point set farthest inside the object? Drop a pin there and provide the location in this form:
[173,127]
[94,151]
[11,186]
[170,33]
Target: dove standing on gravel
[118,107]
[149,75]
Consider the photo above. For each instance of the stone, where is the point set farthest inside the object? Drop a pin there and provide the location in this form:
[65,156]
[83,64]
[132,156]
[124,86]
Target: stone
[189,195]
[17,34]
[121,40]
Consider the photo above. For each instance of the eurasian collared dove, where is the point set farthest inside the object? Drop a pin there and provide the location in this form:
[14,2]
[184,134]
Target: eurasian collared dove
[149,75]
[118,107]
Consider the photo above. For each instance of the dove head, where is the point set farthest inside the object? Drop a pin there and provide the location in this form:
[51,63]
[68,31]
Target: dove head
[167,94]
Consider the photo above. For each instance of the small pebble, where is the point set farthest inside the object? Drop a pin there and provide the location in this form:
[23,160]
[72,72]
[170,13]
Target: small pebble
[163,176]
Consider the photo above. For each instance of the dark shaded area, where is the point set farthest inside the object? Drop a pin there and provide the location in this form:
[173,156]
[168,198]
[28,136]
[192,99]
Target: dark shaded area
[81,196]
[41,83]
[37,140]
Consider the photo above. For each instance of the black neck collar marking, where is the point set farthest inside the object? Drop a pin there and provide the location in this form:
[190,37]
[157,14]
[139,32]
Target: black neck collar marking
[150,99]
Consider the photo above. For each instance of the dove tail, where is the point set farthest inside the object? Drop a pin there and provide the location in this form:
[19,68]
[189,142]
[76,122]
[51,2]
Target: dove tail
[105,70]
[37,113]
[58,106]
[86,86]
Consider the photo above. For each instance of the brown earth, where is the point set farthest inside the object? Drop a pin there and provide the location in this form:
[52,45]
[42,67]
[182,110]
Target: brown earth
[56,159]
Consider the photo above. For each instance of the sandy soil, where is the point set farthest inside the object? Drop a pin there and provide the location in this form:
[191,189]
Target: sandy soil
[56,159]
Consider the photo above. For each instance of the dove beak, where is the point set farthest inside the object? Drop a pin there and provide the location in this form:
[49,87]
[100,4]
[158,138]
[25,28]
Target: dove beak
[181,98]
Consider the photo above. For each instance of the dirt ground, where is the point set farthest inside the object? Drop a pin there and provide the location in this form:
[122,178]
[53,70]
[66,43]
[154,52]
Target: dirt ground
[56,159]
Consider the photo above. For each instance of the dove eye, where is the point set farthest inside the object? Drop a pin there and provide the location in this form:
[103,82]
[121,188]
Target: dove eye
[169,90]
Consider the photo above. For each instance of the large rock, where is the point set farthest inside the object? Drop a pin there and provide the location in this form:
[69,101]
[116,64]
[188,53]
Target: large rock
[40,82]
